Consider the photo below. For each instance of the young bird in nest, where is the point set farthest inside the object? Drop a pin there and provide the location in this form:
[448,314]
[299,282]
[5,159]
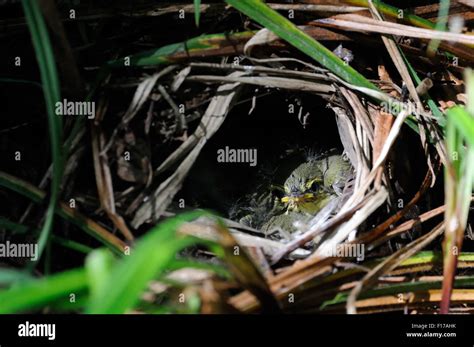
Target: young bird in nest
[307,189]
[310,186]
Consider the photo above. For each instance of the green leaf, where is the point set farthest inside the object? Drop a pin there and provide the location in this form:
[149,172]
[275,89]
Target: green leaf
[463,122]
[197,46]
[152,255]
[272,20]
[38,293]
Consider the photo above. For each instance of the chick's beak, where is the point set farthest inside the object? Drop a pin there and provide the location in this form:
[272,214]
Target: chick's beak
[294,200]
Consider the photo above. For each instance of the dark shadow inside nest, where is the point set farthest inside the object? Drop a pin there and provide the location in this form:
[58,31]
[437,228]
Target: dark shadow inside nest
[275,130]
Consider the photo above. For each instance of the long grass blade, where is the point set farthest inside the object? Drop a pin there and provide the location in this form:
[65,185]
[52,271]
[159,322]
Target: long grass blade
[459,177]
[272,20]
[49,77]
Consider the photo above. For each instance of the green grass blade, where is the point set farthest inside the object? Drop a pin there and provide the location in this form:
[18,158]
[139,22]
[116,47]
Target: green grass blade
[15,227]
[463,122]
[76,246]
[463,118]
[39,293]
[418,260]
[99,265]
[197,11]
[200,46]
[399,14]
[459,177]
[431,103]
[394,289]
[20,81]
[90,227]
[395,12]
[152,255]
[49,77]
[10,276]
[272,20]
[443,13]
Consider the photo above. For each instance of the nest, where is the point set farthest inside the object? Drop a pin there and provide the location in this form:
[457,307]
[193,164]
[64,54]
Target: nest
[367,132]
[153,126]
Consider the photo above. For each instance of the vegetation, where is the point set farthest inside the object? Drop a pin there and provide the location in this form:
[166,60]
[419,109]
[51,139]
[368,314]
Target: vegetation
[129,210]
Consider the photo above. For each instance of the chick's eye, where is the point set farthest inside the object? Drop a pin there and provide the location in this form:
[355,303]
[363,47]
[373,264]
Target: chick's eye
[314,186]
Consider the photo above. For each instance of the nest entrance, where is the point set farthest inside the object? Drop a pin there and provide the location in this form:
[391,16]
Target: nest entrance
[283,129]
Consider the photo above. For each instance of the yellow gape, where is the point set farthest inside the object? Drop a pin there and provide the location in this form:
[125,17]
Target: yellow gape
[308,189]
